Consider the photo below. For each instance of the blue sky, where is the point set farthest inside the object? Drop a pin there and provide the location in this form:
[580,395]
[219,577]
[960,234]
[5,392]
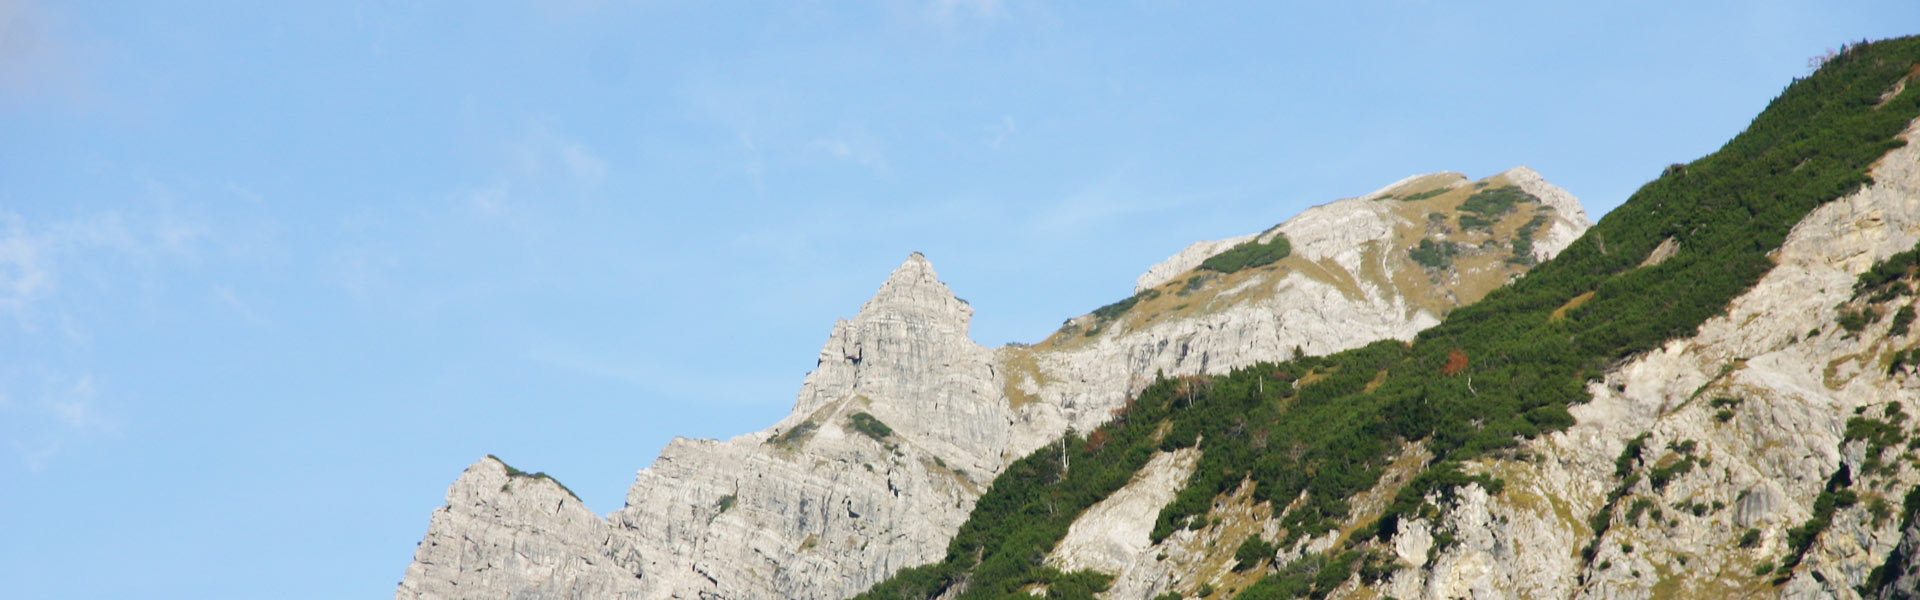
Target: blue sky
[272,274]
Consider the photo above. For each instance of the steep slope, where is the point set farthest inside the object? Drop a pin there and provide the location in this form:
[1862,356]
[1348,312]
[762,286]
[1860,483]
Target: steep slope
[1696,398]
[906,420]
[1742,427]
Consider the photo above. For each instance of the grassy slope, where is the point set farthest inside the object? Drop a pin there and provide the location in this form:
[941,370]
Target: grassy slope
[1495,371]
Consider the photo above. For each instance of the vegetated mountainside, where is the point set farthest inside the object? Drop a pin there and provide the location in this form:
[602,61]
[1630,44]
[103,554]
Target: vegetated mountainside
[906,421]
[1702,397]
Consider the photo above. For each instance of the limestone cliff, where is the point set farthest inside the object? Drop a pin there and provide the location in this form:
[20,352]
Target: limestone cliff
[906,419]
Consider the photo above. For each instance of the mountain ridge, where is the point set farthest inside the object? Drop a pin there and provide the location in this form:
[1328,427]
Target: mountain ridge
[905,420]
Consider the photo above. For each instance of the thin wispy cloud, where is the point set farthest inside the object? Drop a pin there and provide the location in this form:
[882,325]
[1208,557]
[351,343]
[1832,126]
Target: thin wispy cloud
[67,411]
[225,296]
[947,9]
[535,164]
[665,381]
[34,255]
[489,201]
[544,151]
[1094,205]
[73,404]
[853,145]
[998,133]
[24,276]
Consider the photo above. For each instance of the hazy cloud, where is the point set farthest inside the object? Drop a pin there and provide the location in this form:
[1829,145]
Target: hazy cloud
[67,411]
[33,57]
[225,295]
[544,151]
[1092,206]
[489,201]
[35,256]
[669,382]
[947,9]
[23,270]
[853,145]
[997,133]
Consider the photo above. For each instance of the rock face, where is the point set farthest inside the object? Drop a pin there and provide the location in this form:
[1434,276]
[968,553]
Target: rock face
[1744,426]
[1759,403]
[906,419]
[820,505]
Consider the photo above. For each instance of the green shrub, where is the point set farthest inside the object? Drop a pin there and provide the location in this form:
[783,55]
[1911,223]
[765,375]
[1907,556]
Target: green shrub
[1659,477]
[799,432]
[513,473]
[1432,255]
[1193,284]
[867,424]
[1248,255]
[1855,320]
[1902,321]
[1623,464]
[1251,552]
[1077,585]
[1639,506]
[1426,194]
[1884,275]
[1497,201]
[1523,240]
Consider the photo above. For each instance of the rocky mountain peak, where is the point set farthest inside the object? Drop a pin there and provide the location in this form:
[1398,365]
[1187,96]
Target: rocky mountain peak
[913,318]
[1530,181]
[915,287]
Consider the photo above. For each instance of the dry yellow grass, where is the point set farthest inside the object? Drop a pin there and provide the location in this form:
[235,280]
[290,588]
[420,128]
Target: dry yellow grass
[1370,504]
[1575,302]
[1378,379]
[1384,265]
[1020,365]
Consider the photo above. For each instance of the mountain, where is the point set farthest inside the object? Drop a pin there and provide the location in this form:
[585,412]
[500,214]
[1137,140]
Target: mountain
[906,422]
[1709,394]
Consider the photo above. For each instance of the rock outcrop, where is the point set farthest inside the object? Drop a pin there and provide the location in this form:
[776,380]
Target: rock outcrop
[509,534]
[906,419]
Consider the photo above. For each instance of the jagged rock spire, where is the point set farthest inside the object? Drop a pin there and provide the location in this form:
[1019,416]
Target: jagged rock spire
[915,287]
[911,327]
